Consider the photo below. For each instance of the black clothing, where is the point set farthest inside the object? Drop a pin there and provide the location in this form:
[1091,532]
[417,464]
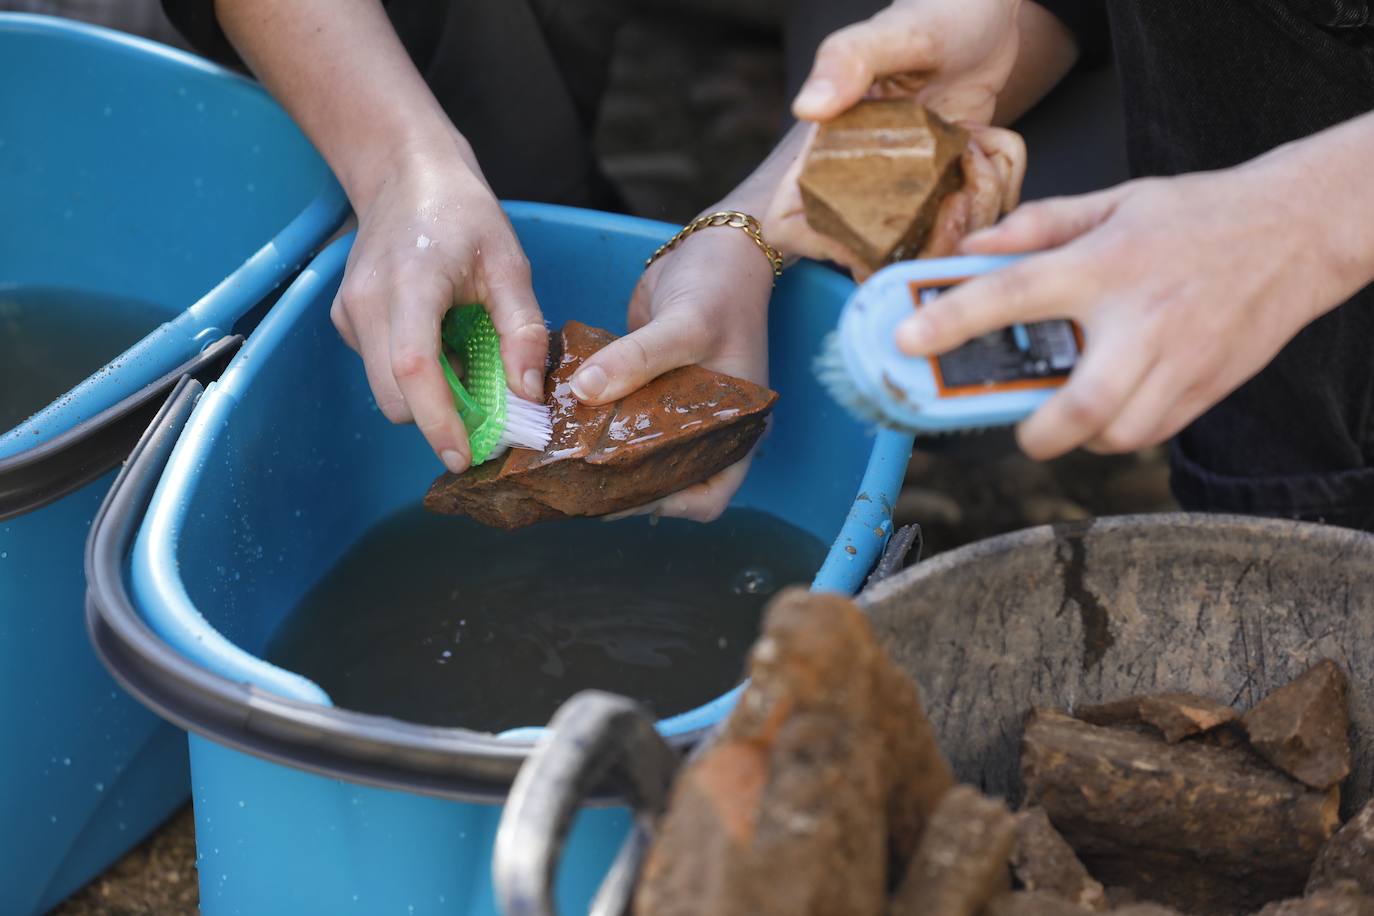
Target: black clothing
[1209,85]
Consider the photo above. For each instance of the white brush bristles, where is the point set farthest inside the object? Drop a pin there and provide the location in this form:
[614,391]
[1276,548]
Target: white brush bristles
[528,425]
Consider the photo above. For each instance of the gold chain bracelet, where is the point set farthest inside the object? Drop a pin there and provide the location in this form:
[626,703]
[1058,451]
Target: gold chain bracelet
[735,220]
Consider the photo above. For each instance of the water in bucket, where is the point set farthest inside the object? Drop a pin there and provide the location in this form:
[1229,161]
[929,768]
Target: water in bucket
[438,620]
[52,338]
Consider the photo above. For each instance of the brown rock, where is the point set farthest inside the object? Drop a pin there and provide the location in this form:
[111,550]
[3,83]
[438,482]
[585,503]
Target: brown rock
[961,862]
[1043,861]
[1349,856]
[876,175]
[1145,909]
[820,775]
[1033,903]
[674,432]
[1303,728]
[1176,715]
[1345,900]
[1202,828]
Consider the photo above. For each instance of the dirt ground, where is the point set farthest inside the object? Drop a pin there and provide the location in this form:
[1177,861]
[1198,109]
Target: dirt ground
[675,144]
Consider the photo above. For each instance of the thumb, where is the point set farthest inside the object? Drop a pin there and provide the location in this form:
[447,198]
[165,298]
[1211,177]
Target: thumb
[1044,224]
[635,360]
[848,62]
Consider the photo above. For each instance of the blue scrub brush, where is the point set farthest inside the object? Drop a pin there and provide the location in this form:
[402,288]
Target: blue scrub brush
[496,418]
[995,380]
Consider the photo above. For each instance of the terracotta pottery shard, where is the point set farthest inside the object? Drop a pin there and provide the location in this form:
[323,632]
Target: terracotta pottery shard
[1349,856]
[674,432]
[961,863]
[876,176]
[1043,861]
[789,811]
[1176,715]
[1201,828]
[1303,728]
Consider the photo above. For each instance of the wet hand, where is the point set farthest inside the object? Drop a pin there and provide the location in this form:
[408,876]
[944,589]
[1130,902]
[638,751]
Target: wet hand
[704,303]
[1184,288]
[430,237]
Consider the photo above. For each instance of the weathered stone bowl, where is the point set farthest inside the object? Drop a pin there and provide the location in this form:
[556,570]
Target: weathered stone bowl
[1222,606]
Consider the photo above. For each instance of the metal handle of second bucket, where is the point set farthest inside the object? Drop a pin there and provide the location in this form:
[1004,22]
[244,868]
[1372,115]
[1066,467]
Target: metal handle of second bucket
[46,473]
[595,738]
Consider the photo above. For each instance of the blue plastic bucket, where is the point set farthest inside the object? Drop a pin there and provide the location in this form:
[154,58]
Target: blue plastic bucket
[132,171]
[284,463]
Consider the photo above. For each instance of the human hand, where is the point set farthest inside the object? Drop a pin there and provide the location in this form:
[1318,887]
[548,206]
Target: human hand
[704,303]
[430,237]
[994,166]
[954,56]
[1184,288]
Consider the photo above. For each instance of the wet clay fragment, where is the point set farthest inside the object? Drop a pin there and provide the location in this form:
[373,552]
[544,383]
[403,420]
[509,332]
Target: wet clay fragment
[1349,856]
[1303,728]
[961,862]
[1205,829]
[876,175]
[1345,899]
[790,809]
[677,431]
[1176,715]
[1043,861]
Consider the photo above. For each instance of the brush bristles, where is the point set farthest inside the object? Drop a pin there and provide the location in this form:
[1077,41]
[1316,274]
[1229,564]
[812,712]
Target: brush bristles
[528,425]
[832,372]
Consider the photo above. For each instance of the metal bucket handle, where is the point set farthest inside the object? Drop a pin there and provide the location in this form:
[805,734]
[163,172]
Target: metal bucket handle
[44,474]
[599,738]
[595,738]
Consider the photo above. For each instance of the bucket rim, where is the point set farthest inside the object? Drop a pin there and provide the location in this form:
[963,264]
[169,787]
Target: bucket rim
[221,304]
[358,747]
[1332,538]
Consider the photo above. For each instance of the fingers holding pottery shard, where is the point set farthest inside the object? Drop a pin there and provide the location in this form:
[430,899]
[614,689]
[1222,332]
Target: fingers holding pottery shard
[679,430]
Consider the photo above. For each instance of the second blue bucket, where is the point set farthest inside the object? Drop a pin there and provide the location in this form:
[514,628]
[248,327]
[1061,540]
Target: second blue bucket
[284,464]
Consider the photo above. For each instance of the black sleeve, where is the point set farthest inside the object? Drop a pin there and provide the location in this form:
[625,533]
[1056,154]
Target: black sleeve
[195,20]
[1087,20]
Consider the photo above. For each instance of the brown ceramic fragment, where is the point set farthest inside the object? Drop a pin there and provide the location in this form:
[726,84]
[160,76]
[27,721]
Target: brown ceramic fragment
[1043,861]
[1349,856]
[1176,715]
[789,810]
[1205,829]
[1344,900]
[876,175]
[961,862]
[1303,727]
[678,430]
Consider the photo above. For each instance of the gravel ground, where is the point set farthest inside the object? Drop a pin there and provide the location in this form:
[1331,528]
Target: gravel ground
[675,145]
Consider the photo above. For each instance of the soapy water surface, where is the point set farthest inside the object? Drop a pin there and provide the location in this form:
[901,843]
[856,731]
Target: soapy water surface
[441,621]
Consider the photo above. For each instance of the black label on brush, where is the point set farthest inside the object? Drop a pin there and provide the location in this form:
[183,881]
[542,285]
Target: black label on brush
[1039,355]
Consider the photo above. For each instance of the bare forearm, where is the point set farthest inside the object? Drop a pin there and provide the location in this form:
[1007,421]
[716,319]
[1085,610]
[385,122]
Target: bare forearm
[339,69]
[1046,52]
[1324,182]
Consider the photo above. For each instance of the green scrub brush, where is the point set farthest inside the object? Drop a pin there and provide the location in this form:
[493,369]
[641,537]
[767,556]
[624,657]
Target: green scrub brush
[496,417]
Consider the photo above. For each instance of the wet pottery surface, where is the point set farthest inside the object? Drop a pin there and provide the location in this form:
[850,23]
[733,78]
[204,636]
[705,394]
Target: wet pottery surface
[674,432]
